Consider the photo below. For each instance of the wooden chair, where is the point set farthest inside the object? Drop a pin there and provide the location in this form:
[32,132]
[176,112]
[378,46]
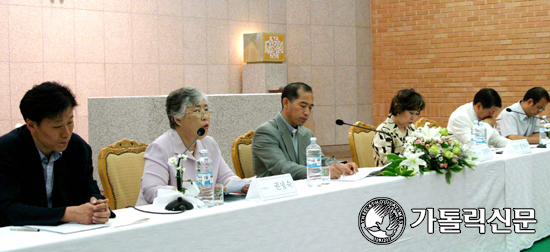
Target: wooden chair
[422,121]
[120,167]
[241,152]
[360,144]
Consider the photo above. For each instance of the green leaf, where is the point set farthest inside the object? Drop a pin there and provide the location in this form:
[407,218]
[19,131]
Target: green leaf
[465,164]
[448,177]
[408,173]
[456,168]
[392,156]
[390,169]
[395,162]
[388,173]
[399,170]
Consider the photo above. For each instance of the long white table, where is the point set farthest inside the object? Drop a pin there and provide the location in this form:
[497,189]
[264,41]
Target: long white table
[527,185]
[326,218]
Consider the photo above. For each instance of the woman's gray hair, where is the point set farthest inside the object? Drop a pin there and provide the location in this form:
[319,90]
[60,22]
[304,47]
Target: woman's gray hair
[179,100]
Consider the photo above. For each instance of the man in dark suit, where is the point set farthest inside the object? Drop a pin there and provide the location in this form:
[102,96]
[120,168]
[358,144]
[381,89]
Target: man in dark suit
[279,145]
[45,169]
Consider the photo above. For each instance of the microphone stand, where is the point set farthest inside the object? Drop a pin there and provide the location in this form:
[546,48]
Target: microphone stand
[200,132]
[535,116]
[389,137]
[510,110]
[180,203]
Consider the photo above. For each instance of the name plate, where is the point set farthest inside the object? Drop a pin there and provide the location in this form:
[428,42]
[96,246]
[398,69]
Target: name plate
[271,188]
[518,147]
[482,152]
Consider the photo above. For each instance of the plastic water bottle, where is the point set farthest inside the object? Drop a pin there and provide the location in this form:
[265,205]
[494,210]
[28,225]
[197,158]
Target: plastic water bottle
[313,153]
[543,135]
[205,179]
[473,136]
[481,133]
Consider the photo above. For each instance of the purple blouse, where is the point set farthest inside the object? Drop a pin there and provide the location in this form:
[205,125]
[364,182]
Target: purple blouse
[157,174]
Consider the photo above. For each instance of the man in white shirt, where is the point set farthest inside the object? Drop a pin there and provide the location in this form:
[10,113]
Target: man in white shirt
[486,103]
[521,120]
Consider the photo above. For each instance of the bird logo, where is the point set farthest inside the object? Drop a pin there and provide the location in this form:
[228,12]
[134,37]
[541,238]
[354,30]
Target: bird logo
[382,220]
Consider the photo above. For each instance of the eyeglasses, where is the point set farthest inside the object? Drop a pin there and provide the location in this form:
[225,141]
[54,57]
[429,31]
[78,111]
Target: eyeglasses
[201,113]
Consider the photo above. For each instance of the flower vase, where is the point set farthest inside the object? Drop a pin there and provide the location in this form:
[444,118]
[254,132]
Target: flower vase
[179,182]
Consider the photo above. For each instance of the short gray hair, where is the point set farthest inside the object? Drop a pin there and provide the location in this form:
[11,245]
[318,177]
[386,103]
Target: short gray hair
[179,100]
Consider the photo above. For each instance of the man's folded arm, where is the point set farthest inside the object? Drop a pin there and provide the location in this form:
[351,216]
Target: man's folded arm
[14,212]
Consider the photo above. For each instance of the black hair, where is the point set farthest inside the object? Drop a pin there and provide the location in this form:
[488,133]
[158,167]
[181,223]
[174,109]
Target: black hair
[488,98]
[407,99]
[536,93]
[291,91]
[46,101]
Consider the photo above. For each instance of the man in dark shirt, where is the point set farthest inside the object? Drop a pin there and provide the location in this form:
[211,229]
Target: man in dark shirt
[46,170]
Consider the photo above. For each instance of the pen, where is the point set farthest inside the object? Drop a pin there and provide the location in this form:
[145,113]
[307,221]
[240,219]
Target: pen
[28,229]
[135,222]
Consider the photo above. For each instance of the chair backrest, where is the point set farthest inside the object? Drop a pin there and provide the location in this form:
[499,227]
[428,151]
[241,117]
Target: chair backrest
[422,121]
[241,152]
[120,167]
[360,144]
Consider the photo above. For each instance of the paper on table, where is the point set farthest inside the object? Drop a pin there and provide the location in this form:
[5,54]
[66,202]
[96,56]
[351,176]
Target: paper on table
[69,228]
[362,173]
[235,185]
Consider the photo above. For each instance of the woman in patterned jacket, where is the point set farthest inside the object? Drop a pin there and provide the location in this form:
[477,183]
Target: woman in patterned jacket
[405,108]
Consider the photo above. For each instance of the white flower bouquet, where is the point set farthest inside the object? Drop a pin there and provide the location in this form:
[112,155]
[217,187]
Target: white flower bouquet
[430,149]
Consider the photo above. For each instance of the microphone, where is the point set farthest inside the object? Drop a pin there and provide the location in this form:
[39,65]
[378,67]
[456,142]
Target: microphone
[388,138]
[177,204]
[340,122]
[510,110]
[200,132]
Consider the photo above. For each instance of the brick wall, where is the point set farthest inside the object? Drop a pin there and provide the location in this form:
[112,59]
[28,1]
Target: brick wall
[448,49]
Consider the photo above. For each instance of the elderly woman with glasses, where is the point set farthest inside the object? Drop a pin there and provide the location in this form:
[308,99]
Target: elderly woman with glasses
[188,111]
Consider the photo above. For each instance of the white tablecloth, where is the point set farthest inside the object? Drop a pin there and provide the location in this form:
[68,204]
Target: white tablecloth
[528,186]
[326,218]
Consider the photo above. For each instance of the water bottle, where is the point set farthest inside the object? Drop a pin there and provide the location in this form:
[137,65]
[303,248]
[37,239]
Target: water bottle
[481,133]
[313,153]
[543,135]
[205,179]
[473,136]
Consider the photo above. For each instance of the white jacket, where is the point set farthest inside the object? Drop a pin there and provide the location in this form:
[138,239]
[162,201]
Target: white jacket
[462,121]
